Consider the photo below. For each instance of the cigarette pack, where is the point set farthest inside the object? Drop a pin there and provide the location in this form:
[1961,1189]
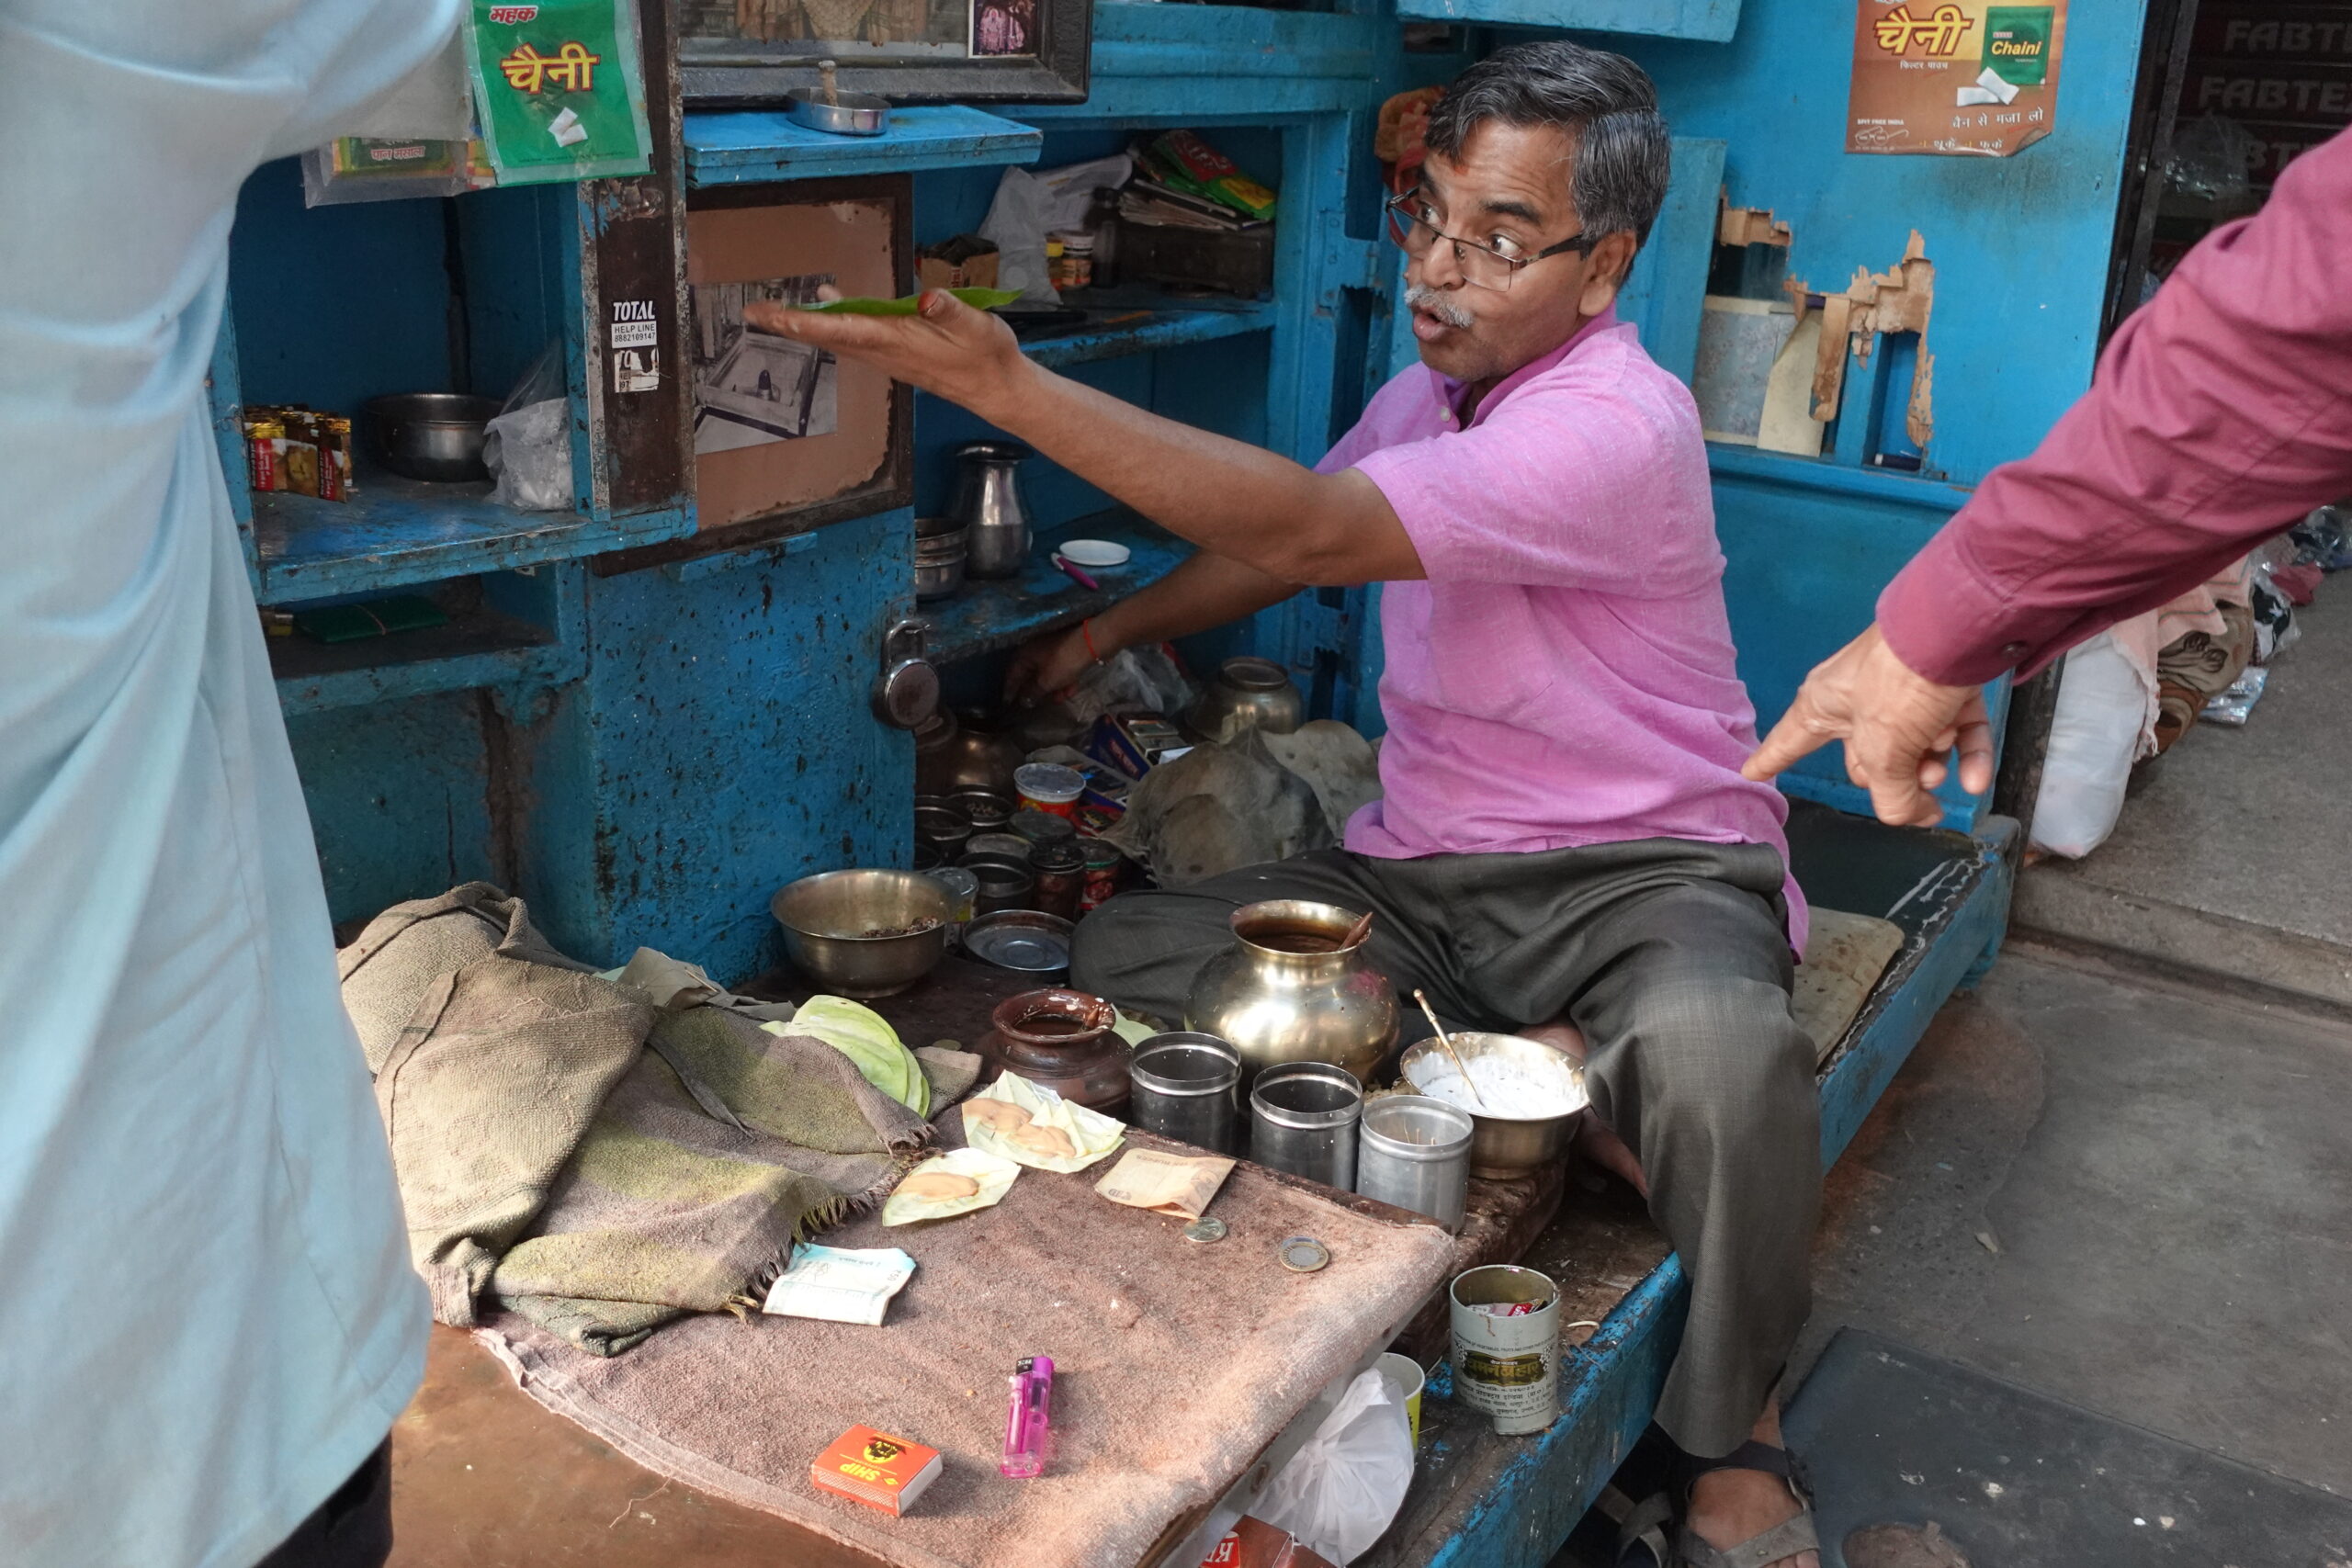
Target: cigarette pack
[876,1469]
[1134,743]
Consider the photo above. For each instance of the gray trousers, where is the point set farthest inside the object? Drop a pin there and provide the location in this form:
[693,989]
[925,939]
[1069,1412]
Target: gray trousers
[1672,958]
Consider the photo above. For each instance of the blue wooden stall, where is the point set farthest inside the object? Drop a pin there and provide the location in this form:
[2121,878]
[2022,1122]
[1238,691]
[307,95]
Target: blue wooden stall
[648,754]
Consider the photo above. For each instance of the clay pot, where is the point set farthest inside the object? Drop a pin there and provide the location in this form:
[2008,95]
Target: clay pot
[1061,1040]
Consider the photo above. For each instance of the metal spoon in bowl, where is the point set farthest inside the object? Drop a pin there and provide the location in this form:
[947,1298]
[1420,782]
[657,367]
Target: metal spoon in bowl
[1430,1013]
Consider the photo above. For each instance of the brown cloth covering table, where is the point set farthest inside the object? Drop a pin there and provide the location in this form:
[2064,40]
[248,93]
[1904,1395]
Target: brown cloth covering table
[1176,1363]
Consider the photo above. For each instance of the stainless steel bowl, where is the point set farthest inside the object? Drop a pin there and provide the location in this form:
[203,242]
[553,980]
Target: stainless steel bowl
[825,919]
[851,114]
[435,436]
[938,576]
[1503,1145]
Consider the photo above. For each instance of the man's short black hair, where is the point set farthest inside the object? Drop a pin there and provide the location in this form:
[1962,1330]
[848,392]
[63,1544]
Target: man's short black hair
[1606,104]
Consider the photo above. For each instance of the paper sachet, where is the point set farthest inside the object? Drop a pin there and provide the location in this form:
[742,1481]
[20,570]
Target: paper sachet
[954,1183]
[1165,1183]
[1036,1127]
[839,1284]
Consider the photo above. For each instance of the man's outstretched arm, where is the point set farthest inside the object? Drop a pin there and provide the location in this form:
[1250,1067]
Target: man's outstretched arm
[2221,413]
[1243,503]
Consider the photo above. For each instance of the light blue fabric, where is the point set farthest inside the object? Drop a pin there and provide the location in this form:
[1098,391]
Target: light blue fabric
[207,1315]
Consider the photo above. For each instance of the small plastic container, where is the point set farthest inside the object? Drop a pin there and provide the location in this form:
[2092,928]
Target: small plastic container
[963,889]
[1049,786]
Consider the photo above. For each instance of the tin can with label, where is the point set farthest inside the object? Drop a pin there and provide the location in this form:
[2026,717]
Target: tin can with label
[1104,865]
[1507,1345]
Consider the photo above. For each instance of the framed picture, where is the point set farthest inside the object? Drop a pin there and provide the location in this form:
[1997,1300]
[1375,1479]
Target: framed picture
[749,52]
[784,436]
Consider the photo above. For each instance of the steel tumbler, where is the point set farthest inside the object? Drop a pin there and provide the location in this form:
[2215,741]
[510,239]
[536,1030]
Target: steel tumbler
[1186,1087]
[1302,1121]
[1415,1153]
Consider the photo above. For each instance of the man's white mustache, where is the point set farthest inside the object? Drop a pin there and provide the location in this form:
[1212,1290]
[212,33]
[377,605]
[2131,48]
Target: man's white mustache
[1438,303]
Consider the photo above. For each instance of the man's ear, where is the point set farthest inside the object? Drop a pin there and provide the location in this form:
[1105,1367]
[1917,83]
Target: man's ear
[1604,271]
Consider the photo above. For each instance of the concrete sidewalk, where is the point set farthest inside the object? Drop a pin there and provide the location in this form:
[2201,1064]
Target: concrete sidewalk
[2233,852]
[2135,1195]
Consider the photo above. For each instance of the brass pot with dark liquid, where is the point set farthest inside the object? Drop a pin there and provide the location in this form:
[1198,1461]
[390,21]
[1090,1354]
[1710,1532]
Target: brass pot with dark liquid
[1289,991]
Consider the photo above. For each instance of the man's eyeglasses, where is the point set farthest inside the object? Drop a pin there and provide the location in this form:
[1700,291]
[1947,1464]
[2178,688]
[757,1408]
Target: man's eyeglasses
[1488,267]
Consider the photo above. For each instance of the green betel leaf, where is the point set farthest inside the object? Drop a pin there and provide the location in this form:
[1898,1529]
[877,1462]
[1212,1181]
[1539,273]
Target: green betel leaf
[978,299]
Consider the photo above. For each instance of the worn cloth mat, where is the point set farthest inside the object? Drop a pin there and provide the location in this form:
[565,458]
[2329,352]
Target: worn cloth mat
[410,947]
[666,1209]
[1175,1362]
[485,1094]
[546,1156]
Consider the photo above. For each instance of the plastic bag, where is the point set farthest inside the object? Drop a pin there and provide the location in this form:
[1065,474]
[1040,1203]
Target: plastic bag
[529,454]
[2209,161]
[355,168]
[2324,538]
[2094,740]
[1134,679]
[1016,226]
[2234,704]
[1339,1492]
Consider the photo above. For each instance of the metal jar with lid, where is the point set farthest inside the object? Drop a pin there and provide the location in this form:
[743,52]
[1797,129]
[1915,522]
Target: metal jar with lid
[1187,1086]
[1415,1153]
[1060,870]
[1043,827]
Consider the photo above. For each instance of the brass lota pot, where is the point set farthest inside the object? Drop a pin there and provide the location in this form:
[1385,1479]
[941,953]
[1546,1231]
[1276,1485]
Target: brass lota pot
[1275,1004]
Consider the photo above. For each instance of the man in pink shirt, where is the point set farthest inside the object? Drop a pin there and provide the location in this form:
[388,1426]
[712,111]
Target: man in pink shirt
[2221,414]
[1566,845]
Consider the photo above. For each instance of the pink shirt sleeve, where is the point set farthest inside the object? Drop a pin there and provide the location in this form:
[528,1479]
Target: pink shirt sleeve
[2221,413]
[1592,482]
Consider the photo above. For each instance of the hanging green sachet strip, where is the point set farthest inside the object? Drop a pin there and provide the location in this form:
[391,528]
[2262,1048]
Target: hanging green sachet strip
[559,89]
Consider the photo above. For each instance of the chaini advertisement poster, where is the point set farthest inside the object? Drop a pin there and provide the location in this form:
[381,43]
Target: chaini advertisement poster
[1953,76]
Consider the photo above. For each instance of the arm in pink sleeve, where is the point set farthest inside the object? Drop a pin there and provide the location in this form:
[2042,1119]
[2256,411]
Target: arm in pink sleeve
[2221,413]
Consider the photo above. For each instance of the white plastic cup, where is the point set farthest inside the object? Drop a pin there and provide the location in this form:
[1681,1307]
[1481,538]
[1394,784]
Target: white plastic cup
[1404,1376]
[1506,1365]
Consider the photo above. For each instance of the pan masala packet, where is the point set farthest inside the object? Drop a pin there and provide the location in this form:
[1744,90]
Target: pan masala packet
[1018,1121]
[954,1183]
[1181,1185]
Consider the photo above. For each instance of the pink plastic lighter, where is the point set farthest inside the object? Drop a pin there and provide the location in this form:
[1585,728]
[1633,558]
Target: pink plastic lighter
[1028,1424]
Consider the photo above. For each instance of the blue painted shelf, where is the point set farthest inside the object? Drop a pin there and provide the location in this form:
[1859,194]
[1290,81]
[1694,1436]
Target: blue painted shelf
[985,617]
[396,532]
[1713,20]
[756,146]
[1181,65]
[479,648]
[1119,334]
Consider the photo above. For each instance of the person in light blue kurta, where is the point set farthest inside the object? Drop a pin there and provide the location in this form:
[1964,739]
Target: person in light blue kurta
[205,1305]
